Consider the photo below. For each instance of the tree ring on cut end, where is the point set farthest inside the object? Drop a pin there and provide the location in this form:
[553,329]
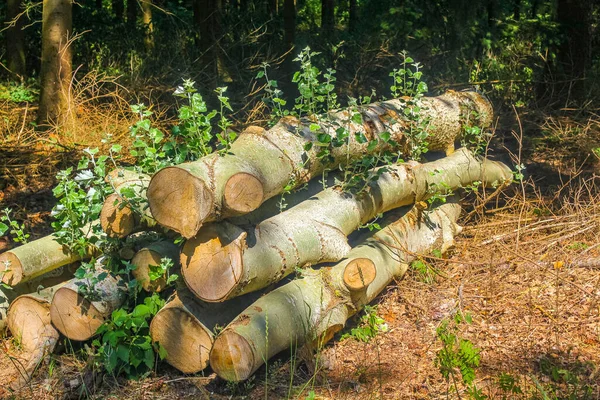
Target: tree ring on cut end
[179,200]
[243,193]
[116,221]
[359,273]
[231,357]
[186,340]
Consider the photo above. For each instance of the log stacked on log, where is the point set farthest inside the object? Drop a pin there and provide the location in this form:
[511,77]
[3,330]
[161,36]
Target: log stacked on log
[225,263]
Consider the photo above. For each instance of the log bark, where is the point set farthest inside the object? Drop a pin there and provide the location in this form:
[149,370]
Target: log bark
[29,322]
[152,255]
[185,328]
[224,261]
[117,218]
[78,317]
[261,164]
[313,308]
[34,259]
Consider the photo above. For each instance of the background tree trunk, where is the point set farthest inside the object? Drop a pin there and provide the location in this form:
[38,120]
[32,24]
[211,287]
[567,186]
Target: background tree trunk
[273,7]
[132,12]
[118,8]
[56,69]
[289,23]
[327,16]
[148,25]
[15,39]
[353,15]
[575,51]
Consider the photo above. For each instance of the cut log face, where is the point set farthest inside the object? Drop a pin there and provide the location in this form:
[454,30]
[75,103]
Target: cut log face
[260,164]
[49,279]
[79,318]
[184,328]
[33,259]
[359,273]
[117,218]
[313,308]
[224,261]
[152,255]
[30,324]
[29,316]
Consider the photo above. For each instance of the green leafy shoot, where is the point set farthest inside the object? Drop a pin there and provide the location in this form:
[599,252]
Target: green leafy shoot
[17,230]
[124,345]
[370,325]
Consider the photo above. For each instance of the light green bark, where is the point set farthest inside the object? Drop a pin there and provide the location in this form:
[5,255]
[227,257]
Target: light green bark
[184,197]
[224,261]
[316,306]
[33,259]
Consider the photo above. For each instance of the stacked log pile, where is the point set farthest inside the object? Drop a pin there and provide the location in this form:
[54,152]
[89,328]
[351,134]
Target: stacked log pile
[240,244]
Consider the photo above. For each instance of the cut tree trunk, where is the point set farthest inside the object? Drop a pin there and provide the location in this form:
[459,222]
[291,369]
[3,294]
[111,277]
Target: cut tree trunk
[30,324]
[35,258]
[52,278]
[28,316]
[224,261]
[78,317]
[261,164]
[151,255]
[185,326]
[117,218]
[312,309]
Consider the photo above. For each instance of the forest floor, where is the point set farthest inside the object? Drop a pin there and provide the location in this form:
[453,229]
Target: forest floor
[522,268]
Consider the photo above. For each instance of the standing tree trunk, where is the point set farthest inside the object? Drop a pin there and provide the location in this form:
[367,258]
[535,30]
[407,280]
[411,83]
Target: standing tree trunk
[98,5]
[327,16]
[273,7]
[353,15]
[148,26]
[118,8]
[56,70]
[15,39]
[289,23]
[132,11]
[575,51]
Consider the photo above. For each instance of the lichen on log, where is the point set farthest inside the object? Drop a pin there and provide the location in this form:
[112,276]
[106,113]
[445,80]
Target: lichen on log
[315,307]
[224,261]
[261,163]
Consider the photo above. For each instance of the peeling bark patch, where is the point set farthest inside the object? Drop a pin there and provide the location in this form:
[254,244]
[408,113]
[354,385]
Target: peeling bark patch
[210,166]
